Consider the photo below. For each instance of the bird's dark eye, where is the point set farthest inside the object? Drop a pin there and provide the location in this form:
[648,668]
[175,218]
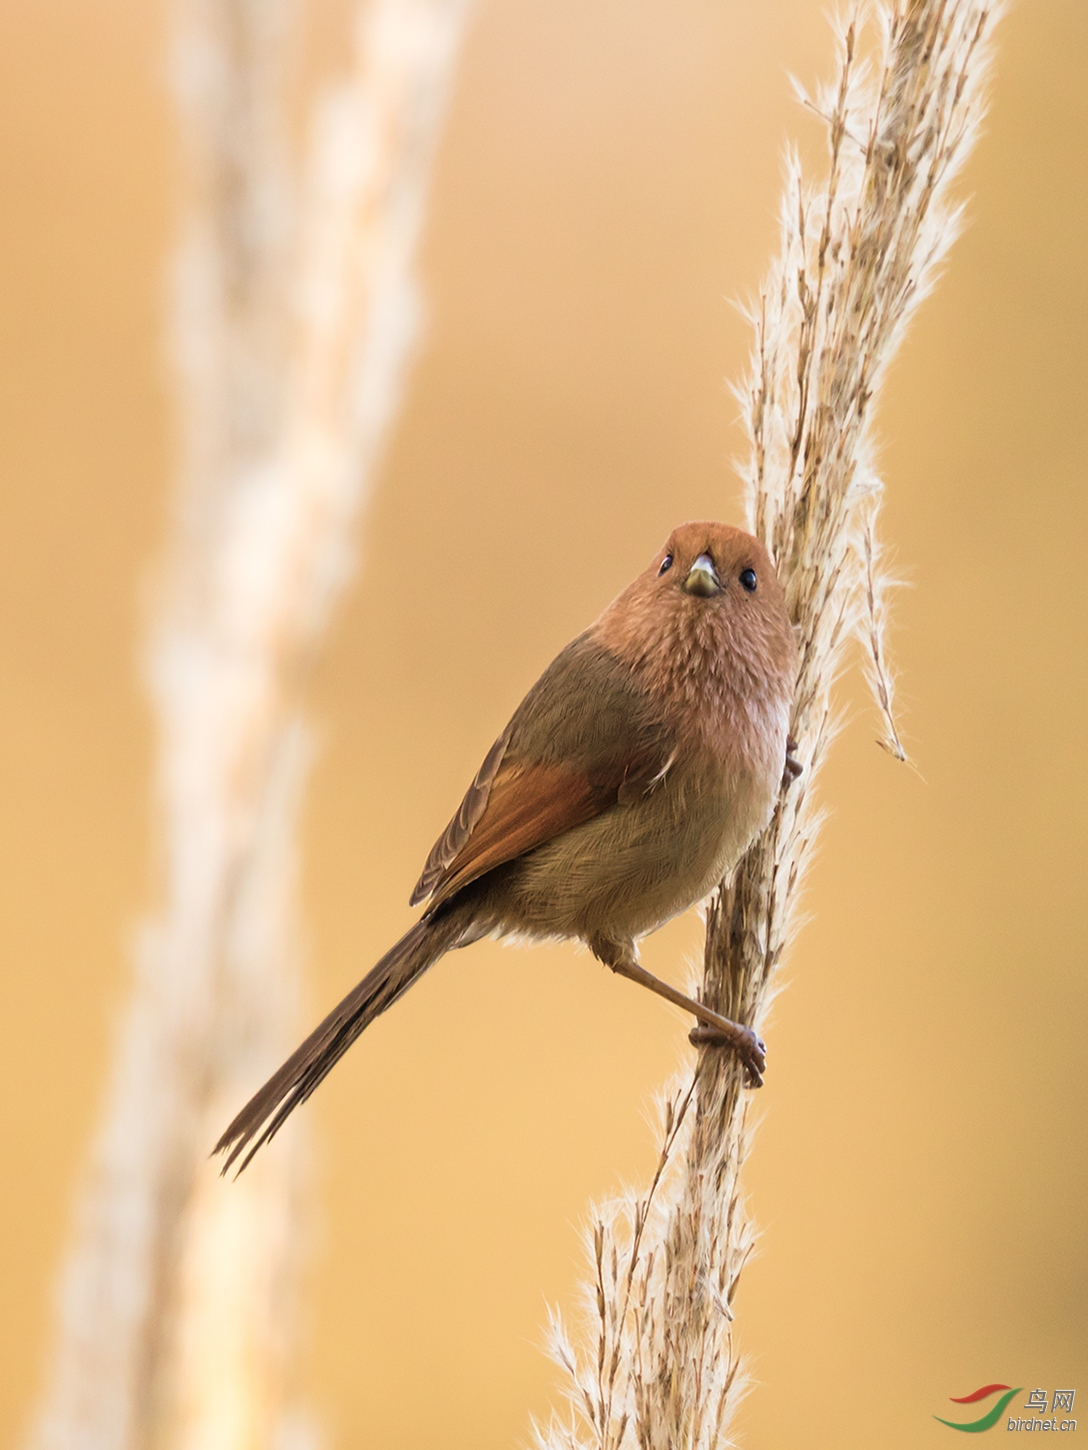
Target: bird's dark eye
[666,564]
[748,579]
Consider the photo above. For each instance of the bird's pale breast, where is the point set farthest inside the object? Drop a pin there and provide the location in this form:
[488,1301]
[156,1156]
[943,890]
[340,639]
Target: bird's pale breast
[636,866]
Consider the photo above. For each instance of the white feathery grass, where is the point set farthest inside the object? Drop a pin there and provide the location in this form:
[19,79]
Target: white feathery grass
[655,1366]
[292,326]
[877,584]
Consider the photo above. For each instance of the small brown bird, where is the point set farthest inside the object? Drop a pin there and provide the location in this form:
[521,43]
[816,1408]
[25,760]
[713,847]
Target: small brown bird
[631,779]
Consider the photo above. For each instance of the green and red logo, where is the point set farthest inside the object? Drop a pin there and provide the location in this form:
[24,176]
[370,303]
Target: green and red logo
[1039,1411]
[992,1415]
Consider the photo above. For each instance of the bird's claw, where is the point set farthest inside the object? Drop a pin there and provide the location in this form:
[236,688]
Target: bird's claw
[793,767]
[750,1048]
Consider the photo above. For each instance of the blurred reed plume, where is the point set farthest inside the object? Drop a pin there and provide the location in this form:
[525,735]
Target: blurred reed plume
[294,310]
[656,1366]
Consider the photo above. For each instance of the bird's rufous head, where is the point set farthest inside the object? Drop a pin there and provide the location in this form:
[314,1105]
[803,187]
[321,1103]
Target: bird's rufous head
[714,561]
[710,594]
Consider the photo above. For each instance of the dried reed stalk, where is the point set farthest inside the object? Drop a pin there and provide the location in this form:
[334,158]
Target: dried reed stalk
[658,1368]
[290,339]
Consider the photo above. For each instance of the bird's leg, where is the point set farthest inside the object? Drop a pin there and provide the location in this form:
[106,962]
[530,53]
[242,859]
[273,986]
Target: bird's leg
[714,1029]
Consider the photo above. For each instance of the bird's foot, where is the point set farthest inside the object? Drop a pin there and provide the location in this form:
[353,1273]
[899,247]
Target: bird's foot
[750,1048]
[713,1029]
[793,767]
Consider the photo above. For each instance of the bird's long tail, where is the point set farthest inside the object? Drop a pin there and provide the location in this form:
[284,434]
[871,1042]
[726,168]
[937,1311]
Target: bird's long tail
[267,1111]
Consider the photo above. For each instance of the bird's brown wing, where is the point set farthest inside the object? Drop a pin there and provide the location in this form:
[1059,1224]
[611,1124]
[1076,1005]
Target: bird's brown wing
[583,739]
[452,840]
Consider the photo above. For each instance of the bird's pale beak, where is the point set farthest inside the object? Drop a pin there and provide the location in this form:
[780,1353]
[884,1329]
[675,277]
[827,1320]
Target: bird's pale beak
[702,578]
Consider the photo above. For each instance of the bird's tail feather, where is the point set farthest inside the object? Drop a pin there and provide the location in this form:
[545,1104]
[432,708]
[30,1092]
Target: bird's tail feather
[268,1110]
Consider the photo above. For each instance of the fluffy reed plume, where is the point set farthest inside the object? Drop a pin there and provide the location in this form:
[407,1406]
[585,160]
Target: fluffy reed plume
[292,325]
[657,1367]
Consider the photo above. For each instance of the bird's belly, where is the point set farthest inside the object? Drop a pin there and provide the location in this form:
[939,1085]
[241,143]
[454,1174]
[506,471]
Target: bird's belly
[630,870]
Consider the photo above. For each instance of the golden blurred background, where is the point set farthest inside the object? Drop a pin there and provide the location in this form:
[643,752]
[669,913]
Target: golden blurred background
[608,179]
